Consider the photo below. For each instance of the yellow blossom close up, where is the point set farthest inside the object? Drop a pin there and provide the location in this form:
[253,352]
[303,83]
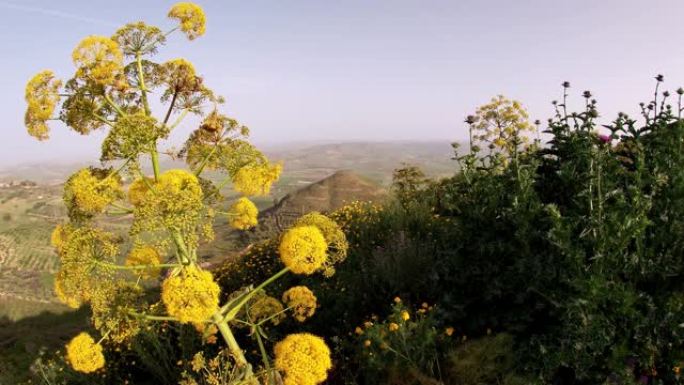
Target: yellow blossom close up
[192,296]
[303,358]
[303,249]
[84,355]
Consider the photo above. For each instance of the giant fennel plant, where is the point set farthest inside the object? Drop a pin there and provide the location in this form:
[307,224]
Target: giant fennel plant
[171,211]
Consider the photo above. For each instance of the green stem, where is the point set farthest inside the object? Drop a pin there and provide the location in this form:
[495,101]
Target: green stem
[228,336]
[141,81]
[114,106]
[155,161]
[153,317]
[264,356]
[232,310]
[182,248]
[135,267]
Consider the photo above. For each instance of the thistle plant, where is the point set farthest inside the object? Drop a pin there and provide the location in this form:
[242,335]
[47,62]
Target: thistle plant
[118,88]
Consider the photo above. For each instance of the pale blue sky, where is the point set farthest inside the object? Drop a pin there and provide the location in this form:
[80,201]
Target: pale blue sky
[361,69]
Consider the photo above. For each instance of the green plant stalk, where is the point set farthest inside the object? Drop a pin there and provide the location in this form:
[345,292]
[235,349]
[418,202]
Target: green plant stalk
[155,162]
[135,267]
[141,80]
[264,356]
[228,336]
[180,245]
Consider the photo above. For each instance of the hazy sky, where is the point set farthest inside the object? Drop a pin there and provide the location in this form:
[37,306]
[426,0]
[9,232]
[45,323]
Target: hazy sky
[361,69]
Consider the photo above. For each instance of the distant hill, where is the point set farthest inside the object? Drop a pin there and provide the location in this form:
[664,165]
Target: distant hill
[304,163]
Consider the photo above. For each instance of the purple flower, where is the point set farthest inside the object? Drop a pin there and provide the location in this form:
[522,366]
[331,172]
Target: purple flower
[605,138]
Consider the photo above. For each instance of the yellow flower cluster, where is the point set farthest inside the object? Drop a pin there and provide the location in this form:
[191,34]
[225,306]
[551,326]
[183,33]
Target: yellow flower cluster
[303,249]
[79,277]
[179,76]
[192,296]
[42,96]
[242,214]
[256,179]
[145,256]
[90,190]
[334,237]
[303,358]
[132,135]
[138,189]
[98,59]
[84,355]
[191,17]
[302,301]
[265,307]
[110,311]
[502,124]
[176,202]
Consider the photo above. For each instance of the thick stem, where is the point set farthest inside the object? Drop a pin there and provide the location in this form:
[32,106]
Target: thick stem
[228,336]
[155,161]
[264,356]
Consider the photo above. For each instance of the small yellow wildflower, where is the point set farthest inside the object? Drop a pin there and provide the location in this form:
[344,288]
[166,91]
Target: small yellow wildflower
[397,300]
[84,355]
[303,358]
[145,256]
[98,59]
[676,370]
[242,215]
[303,249]
[358,330]
[302,301]
[191,17]
[256,180]
[192,296]
[405,315]
[367,343]
[393,327]
[449,331]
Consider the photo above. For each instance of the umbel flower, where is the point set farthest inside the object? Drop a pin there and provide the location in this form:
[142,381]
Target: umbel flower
[334,237]
[132,135]
[265,307]
[191,17]
[84,355]
[302,301]
[99,59]
[145,256]
[256,179]
[303,249]
[192,296]
[138,189]
[42,96]
[90,190]
[303,358]
[242,214]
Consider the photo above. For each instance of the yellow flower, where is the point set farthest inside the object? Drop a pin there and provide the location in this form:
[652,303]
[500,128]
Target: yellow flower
[358,330]
[59,236]
[179,75]
[99,59]
[90,190]
[303,249]
[303,358]
[42,96]
[71,301]
[191,17]
[84,355]
[265,307]
[191,296]
[145,256]
[256,179]
[393,327]
[334,237]
[449,331]
[397,300]
[138,189]
[302,301]
[367,343]
[242,215]
[405,315]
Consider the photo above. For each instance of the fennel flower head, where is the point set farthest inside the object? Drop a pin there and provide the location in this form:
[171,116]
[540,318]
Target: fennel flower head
[256,180]
[98,59]
[303,358]
[192,296]
[334,237]
[242,214]
[84,355]
[42,96]
[303,249]
[191,18]
[90,190]
[266,307]
[302,301]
